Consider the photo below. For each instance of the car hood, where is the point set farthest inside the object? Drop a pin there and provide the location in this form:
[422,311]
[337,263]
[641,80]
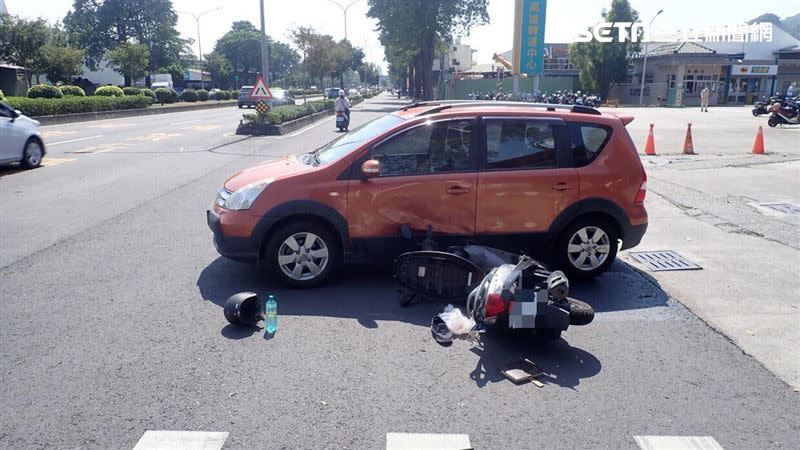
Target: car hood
[31,123]
[274,169]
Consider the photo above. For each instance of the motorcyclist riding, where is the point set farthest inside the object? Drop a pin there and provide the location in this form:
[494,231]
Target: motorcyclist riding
[342,104]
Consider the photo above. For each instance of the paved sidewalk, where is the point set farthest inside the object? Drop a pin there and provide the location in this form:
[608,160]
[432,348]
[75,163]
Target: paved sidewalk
[748,288]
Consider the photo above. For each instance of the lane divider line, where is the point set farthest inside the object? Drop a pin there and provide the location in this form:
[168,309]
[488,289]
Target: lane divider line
[677,442]
[427,441]
[73,140]
[184,440]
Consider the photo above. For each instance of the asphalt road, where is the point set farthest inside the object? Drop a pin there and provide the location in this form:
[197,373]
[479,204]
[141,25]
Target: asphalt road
[110,305]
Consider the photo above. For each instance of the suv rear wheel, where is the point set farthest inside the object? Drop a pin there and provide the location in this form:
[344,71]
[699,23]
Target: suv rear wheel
[587,247]
[302,254]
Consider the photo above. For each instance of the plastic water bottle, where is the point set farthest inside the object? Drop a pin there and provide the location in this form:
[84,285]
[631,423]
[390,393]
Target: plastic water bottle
[271,314]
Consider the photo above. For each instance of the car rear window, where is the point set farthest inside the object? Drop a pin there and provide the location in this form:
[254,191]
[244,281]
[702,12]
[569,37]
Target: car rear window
[587,140]
[519,144]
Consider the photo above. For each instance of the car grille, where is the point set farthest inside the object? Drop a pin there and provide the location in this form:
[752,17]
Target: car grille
[222,197]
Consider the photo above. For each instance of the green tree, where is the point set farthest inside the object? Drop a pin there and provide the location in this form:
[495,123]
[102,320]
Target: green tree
[241,46]
[22,42]
[100,26]
[220,69]
[131,60]
[346,58]
[411,29]
[602,64]
[62,64]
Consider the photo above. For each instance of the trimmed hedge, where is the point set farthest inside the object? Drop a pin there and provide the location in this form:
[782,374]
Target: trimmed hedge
[189,95]
[131,91]
[202,95]
[164,95]
[109,91]
[52,106]
[295,92]
[75,91]
[1,94]
[149,93]
[45,91]
[220,95]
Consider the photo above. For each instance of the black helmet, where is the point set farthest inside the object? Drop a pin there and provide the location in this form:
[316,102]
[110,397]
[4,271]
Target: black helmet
[243,308]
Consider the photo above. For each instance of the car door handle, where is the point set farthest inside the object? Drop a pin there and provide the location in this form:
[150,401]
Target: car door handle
[458,190]
[560,187]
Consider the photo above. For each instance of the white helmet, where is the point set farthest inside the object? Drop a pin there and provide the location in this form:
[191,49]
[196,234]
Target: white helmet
[341,92]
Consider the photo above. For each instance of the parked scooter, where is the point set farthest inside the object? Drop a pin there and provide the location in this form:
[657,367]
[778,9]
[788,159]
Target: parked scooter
[784,115]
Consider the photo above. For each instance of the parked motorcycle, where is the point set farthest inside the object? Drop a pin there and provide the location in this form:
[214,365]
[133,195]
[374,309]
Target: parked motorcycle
[784,115]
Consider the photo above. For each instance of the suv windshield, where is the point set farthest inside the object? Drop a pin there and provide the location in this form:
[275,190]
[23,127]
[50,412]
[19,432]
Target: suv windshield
[348,142]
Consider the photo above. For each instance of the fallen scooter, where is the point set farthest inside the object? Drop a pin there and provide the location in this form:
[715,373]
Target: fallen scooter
[501,289]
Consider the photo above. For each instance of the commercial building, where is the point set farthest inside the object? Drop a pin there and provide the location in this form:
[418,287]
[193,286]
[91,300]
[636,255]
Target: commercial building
[736,73]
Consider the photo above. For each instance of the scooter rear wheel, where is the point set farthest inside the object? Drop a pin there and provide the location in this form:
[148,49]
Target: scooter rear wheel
[772,122]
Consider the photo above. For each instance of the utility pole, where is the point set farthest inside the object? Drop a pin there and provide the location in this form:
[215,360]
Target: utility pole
[344,11]
[264,48]
[199,45]
[644,63]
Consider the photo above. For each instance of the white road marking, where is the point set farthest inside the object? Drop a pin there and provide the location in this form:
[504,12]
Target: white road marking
[187,121]
[306,128]
[74,140]
[677,443]
[425,441]
[182,440]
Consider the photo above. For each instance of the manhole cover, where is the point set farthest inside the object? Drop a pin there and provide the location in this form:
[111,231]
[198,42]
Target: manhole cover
[785,208]
[664,260]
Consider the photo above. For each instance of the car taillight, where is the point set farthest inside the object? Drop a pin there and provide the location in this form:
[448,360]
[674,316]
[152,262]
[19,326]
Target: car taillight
[642,192]
[494,305]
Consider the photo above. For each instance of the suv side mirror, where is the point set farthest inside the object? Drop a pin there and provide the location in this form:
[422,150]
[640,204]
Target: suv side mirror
[371,169]
[15,113]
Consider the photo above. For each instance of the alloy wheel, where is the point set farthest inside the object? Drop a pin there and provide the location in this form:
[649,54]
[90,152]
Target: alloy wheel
[303,256]
[588,248]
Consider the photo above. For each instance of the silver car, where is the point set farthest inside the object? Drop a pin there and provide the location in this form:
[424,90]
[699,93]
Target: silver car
[19,138]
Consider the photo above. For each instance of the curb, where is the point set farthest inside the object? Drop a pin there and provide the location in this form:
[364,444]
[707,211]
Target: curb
[286,127]
[99,115]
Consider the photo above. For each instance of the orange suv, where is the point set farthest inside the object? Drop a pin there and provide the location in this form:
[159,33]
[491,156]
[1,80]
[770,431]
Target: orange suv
[560,182]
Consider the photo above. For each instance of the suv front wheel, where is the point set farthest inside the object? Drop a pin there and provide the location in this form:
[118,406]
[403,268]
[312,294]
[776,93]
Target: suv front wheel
[587,247]
[301,254]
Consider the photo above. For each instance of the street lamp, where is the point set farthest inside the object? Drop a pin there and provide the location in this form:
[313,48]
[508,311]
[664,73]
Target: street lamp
[644,63]
[199,45]
[344,11]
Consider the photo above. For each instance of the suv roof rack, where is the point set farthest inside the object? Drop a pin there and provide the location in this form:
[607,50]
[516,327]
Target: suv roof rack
[443,105]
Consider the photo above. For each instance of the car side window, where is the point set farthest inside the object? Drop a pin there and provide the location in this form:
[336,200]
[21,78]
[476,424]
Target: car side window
[519,144]
[586,142]
[5,111]
[438,147]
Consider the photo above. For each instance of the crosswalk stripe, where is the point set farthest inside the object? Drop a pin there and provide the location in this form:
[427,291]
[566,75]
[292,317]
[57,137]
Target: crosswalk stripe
[677,443]
[181,440]
[426,441]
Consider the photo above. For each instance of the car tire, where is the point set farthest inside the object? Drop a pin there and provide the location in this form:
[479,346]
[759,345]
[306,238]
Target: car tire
[32,155]
[581,252]
[286,261]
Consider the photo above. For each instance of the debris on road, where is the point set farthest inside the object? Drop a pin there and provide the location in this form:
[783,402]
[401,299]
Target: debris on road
[243,309]
[522,371]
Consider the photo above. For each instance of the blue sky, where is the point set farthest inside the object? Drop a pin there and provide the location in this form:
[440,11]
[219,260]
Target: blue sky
[564,18]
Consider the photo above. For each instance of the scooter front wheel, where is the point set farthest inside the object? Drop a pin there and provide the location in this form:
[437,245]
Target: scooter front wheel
[772,122]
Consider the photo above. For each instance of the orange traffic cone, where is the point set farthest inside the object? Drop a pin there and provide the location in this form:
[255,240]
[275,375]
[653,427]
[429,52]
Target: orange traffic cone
[688,147]
[650,147]
[758,145]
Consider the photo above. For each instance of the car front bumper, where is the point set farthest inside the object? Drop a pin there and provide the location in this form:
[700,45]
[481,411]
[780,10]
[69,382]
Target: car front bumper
[237,248]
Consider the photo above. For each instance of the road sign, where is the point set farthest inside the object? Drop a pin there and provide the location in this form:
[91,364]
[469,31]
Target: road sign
[529,36]
[261,90]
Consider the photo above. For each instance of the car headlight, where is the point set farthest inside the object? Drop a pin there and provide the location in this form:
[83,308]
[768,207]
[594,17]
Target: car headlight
[244,197]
